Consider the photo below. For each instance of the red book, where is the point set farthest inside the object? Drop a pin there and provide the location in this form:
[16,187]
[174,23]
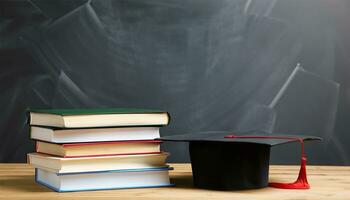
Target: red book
[93,149]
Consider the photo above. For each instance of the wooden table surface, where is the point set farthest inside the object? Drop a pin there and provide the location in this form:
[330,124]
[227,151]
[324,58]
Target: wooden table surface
[327,182]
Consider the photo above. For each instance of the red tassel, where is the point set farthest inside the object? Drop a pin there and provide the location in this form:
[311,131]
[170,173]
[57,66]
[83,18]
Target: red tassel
[301,182]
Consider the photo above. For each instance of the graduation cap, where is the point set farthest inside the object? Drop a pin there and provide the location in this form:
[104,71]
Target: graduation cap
[224,160]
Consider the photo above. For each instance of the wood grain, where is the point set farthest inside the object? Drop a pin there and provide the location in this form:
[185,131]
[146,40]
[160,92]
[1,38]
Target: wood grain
[327,182]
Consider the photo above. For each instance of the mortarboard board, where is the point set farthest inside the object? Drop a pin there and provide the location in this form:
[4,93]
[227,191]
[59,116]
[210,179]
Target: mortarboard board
[224,160]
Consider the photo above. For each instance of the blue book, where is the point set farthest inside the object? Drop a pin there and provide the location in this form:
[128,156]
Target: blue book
[104,180]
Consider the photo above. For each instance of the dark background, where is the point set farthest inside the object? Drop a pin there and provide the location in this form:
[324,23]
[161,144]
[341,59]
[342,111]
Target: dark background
[212,64]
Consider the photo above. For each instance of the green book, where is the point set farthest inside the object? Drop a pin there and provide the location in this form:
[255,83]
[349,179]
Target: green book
[104,117]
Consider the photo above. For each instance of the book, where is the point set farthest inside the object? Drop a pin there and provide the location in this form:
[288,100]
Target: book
[80,118]
[98,163]
[92,149]
[93,134]
[122,179]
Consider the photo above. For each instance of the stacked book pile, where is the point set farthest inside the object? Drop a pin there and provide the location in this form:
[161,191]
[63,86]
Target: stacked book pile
[98,149]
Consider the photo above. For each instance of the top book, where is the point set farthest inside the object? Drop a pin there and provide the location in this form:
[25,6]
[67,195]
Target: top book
[109,117]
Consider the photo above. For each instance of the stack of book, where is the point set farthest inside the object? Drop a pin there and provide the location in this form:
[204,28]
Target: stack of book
[96,149]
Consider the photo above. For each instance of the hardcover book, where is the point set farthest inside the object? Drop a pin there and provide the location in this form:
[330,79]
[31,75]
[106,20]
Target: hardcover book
[104,180]
[112,117]
[98,163]
[92,149]
[93,134]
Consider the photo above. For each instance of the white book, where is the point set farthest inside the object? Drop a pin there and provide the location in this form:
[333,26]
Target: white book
[94,134]
[99,163]
[124,179]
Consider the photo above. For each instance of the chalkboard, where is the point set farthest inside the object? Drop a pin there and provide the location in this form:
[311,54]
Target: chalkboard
[213,65]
